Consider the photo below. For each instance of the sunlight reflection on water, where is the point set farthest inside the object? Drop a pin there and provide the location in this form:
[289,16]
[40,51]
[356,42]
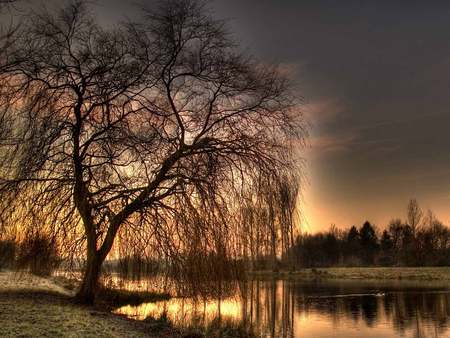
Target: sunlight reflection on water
[317,309]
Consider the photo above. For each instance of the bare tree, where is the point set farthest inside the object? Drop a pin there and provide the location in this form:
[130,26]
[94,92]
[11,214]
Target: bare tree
[154,127]
[415,215]
[4,3]
[7,35]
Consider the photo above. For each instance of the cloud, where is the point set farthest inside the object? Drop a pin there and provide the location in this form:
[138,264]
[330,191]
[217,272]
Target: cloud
[323,110]
[290,69]
[332,143]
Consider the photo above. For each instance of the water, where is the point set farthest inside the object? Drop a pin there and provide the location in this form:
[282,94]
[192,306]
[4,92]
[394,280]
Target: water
[340,309]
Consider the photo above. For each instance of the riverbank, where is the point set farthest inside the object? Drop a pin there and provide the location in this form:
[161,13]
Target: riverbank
[32,306]
[363,273]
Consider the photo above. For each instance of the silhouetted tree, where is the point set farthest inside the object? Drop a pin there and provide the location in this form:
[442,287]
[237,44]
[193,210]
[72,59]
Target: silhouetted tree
[369,242]
[433,243]
[332,245]
[386,246]
[414,215]
[353,246]
[408,246]
[395,230]
[6,3]
[398,244]
[155,127]
[8,33]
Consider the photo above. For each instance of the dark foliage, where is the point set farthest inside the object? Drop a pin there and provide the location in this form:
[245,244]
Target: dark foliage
[369,243]
[209,275]
[38,253]
[398,245]
[7,253]
[135,267]
[161,128]
[116,298]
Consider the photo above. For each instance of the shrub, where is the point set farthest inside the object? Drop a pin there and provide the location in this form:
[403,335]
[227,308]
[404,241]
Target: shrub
[38,253]
[135,267]
[7,253]
[227,329]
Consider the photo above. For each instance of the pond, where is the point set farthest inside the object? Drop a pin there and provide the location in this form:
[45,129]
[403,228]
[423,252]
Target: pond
[294,308]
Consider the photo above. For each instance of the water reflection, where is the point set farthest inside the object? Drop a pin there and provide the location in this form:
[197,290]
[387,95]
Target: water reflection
[318,309]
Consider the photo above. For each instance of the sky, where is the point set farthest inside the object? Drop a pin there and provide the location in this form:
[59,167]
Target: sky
[374,81]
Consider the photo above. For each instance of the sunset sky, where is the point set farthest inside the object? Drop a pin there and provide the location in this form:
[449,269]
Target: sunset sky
[374,76]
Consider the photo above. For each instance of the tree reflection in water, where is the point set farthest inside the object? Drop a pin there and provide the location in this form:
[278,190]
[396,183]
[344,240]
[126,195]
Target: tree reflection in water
[317,309]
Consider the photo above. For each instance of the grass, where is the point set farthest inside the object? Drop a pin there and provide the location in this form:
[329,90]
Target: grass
[115,298]
[365,273]
[22,281]
[32,306]
[46,314]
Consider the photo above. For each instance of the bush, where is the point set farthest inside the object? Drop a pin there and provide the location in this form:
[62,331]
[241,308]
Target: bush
[38,253]
[7,254]
[227,329]
[117,298]
[135,267]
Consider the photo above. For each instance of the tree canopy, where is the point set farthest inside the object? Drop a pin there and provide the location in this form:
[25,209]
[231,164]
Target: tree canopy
[159,127]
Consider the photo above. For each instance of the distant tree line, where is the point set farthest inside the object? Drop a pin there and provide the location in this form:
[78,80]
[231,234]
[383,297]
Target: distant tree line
[420,240]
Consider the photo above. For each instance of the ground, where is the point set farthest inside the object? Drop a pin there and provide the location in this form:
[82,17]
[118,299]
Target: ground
[31,306]
[399,273]
[38,307]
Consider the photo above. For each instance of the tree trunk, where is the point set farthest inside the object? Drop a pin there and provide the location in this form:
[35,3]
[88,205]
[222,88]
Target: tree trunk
[90,284]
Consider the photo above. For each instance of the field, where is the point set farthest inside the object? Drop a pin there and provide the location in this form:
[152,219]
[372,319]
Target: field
[373,273]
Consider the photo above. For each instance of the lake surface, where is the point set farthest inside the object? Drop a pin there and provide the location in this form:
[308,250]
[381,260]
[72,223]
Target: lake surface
[315,309]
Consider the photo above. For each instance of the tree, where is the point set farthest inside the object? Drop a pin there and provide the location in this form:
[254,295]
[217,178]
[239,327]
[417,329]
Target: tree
[353,236]
[7,34]
[369,242]
[408,246]
[415,214]
[395,229]
[4,3]
[154,127]
[331,248]
[352,244]
[386,246]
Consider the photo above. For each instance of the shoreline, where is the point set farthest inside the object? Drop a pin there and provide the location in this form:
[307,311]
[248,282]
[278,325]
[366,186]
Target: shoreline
[33,306]
[360,273]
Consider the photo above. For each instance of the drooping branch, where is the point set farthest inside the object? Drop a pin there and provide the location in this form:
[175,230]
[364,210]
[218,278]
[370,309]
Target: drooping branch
[136,121]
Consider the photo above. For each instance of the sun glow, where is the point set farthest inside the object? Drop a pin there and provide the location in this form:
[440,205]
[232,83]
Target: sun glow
[182,311]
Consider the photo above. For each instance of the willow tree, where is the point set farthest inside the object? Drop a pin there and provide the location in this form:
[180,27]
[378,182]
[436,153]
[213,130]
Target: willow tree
[121,127]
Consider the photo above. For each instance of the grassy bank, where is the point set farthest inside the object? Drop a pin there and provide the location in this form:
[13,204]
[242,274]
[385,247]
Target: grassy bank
[371,273]
[32,306]
[45,314]
[116,298]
